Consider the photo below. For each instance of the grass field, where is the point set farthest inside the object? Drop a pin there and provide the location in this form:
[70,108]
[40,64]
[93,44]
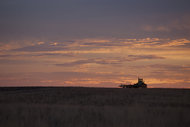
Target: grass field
[93,107]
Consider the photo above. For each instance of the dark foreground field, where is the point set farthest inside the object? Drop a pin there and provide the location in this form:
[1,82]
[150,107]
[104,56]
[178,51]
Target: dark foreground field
[94,107]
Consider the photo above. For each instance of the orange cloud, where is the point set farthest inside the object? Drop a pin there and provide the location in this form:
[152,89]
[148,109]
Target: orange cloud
[178,42]
[97,62]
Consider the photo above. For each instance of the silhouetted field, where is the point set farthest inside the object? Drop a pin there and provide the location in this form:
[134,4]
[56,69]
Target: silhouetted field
[93,107]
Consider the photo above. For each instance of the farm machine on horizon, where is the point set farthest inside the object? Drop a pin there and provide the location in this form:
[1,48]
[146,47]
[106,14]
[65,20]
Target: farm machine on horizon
[139,84]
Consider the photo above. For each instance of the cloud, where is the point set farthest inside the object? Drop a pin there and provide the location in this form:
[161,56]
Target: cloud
[93,46]
[37,54]
[42,47]
[182,23]
[178,42]
[178,24]
[158,43]
[111,61]
[172,68]
[150,28]
[66,78]
[165,72]
[161,68]
[19,61]
[136,43]
[143,57]
[98,61]
[9,46]
[89,61]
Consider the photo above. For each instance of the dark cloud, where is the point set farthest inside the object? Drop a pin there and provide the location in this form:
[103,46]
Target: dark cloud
[167,67]
[143,57]
[87,61]
[164,72]
[38,54]
[143,43]
[58,19]
[6,56]
[172,68]
[15,61]
[42,47]
[111,43]
[111,61]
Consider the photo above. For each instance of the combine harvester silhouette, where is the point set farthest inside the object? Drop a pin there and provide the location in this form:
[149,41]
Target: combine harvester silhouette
[139,84]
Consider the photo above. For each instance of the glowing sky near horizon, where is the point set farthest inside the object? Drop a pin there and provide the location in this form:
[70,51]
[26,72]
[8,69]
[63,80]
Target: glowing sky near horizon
[95,43]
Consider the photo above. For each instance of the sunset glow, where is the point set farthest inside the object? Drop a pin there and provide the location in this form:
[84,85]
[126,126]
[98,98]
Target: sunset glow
[95,43]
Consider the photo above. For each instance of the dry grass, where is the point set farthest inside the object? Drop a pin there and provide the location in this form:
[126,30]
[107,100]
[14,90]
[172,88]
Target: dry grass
[94,107]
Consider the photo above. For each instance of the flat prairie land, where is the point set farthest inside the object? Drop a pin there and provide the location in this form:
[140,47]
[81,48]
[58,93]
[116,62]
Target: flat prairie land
[93,107]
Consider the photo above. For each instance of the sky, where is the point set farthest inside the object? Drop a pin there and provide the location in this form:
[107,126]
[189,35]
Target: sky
[95,43]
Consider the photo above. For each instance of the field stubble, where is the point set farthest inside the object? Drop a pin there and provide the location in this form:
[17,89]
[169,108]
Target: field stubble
[94,107]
